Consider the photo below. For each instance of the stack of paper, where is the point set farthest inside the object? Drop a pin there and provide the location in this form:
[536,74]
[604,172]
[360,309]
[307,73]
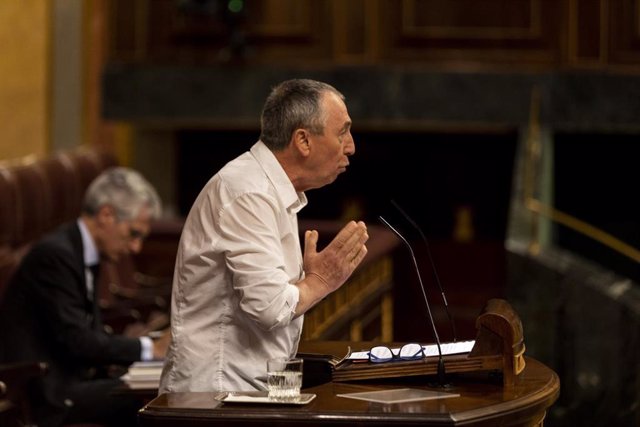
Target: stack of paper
[143,375]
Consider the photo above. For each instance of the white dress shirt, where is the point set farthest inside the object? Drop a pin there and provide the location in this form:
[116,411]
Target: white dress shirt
[234,296]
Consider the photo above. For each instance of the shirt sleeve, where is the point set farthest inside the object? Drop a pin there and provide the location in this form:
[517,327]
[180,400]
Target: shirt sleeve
[146,345]
[262,253]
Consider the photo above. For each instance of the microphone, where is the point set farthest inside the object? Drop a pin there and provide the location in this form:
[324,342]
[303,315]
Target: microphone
[433,266]
[441,370]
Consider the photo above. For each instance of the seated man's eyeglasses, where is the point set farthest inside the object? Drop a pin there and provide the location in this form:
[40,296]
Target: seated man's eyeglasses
[382,353]
[136,234]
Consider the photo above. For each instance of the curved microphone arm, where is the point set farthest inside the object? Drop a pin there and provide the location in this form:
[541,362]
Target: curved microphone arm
[441,369]
[433,266]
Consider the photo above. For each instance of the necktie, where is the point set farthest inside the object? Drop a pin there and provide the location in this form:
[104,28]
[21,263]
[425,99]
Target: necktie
[93,274]
[92,280]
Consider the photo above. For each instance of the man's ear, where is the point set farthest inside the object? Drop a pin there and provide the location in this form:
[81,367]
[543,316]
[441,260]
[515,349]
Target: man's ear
[106,214]
[301,141]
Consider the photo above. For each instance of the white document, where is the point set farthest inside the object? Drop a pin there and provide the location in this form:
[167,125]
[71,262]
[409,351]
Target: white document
[430,350]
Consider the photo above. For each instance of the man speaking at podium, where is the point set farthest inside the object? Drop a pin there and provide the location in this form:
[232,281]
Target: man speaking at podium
[241,283]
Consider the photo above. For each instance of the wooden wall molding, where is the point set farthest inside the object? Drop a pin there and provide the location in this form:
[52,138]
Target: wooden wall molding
[490,34]
[483,20]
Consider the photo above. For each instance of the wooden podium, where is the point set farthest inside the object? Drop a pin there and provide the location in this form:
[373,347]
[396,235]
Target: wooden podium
[520,398]
[481,402]
[499,347]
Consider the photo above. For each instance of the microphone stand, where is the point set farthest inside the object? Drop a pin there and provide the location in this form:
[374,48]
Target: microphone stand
[441,374]
[433,266]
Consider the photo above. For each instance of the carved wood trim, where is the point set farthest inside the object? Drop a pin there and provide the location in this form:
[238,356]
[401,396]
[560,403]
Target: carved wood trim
[410,28]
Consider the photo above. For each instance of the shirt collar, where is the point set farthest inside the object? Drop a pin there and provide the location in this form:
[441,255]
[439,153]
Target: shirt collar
[90,251]
[293,199]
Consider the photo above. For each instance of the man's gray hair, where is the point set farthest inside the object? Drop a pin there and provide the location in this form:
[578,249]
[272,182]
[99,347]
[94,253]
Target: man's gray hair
[124,189]
[291,105]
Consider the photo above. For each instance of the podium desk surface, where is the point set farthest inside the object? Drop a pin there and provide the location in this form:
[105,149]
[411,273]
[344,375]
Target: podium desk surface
[482,401]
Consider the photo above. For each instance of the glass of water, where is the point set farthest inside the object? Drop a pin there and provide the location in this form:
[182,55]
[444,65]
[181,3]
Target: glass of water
[284,379]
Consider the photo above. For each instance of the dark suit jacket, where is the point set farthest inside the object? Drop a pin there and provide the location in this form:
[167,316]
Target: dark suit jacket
[46,315]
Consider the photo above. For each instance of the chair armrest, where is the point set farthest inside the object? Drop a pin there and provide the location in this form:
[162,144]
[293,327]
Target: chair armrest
[15,408]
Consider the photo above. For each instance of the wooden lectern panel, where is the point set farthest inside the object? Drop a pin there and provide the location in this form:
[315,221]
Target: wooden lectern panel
[500,332]
[499,347]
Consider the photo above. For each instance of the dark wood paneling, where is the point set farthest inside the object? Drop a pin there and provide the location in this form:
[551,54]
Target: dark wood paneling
[290,31]
[491,31]
[586,47]
[169,31]
[458,33]
[624,31]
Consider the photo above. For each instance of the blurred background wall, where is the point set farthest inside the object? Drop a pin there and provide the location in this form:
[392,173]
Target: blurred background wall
[25,43]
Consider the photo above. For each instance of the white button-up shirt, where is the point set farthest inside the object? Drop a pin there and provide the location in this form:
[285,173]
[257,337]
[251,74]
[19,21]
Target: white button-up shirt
[233,295]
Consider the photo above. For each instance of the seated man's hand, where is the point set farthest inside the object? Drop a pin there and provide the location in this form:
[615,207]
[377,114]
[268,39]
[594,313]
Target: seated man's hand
[135,330]
[161,344]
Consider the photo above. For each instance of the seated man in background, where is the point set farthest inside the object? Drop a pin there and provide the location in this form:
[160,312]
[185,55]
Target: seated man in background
[50,312]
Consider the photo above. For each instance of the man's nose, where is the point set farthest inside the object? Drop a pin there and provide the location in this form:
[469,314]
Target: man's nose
[350,146]
[135,245]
